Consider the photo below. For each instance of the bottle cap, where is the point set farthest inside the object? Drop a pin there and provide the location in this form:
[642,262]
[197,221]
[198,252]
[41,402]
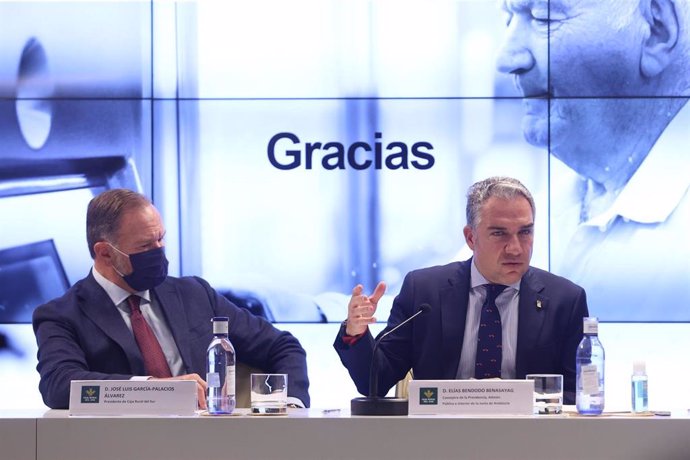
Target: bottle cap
[220,324]
[590,325]
[639,367]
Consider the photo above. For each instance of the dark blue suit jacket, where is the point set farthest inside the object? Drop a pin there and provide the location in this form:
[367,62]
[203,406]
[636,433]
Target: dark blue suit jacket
[550,313]
[82,336]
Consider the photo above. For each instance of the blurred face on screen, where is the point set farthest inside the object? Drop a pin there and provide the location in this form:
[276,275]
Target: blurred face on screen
[560,51]
[502,240]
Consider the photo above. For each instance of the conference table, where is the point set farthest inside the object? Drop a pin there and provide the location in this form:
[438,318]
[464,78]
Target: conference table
[335,434]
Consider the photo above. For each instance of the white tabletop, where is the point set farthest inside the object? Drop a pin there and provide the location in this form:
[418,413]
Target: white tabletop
[333,433]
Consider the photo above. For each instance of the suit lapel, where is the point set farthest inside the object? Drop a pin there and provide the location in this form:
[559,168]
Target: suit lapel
[95,303]
[454,300]
[533,308]
[171,304]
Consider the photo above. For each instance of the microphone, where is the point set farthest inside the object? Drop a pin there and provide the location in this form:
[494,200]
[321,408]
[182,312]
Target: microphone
[373,404]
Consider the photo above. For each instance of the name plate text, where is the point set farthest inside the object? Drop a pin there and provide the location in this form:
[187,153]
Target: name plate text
[132,397]
[471,397]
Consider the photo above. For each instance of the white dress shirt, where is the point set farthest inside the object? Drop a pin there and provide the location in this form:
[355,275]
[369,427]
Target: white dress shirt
[507,304]
[630,249]
[154,317]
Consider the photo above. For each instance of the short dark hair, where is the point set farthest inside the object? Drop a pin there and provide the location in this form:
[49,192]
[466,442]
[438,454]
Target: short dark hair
[105,211]
[497,186]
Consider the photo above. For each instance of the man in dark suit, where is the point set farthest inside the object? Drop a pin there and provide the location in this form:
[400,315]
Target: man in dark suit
[93,331]
[540,313]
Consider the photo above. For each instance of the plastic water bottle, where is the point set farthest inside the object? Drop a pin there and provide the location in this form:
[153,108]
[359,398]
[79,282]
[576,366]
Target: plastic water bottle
[639,388]
[590,370]
[220,370]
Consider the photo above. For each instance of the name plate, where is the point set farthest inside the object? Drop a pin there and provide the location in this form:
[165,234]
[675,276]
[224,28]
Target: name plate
[471,397]
[132,397]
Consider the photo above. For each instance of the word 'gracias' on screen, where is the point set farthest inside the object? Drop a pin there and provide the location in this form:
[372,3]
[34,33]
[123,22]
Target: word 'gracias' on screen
[359,155]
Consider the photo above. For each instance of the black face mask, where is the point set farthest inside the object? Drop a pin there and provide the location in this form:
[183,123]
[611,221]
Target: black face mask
[149,269]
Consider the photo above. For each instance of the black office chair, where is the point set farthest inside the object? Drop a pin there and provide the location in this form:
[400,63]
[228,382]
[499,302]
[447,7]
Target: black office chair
[277,306]
[249,302]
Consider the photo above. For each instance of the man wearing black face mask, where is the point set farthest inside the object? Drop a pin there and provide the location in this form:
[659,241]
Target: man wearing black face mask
[149,268]
[129,320]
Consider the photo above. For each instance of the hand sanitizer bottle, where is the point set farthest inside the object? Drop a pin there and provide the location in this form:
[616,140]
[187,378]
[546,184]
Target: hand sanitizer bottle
[639,388]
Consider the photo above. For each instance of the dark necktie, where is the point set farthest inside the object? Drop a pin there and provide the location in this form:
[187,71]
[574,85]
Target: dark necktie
[490,336]
[154,358]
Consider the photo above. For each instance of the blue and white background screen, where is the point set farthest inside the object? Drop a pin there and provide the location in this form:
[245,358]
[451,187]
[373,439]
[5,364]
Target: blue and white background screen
[297,148]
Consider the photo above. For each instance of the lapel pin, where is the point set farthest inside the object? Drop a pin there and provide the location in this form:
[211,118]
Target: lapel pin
[539,304]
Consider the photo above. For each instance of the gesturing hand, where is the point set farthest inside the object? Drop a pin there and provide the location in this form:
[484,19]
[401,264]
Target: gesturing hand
[361,309]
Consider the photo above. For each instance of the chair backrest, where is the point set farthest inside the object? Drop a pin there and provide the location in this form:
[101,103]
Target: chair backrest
[242,388]
[401,386]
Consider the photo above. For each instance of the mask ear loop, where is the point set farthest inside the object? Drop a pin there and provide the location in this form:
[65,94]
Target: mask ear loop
[112,265]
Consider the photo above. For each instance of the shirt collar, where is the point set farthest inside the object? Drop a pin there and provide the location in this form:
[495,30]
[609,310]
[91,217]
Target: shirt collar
[115,292]
[477,279]
[659,184]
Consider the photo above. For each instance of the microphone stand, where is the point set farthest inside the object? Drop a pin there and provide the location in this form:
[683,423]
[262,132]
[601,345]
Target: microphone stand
[382,405]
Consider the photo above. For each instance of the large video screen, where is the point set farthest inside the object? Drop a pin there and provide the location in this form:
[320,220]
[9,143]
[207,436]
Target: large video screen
[298,148]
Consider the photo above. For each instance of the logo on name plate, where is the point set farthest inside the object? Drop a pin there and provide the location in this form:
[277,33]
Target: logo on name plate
[428,396]
[90,394]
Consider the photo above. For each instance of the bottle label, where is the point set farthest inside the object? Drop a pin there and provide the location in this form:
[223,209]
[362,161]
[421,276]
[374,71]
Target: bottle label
[230,380]
[589,377]
[213,379]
